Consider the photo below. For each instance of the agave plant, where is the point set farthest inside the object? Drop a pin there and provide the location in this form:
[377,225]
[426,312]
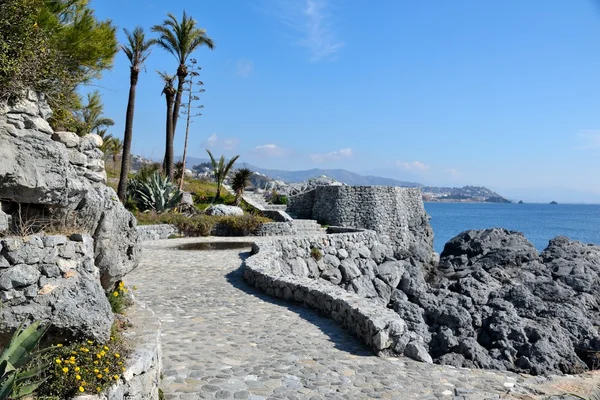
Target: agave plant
[14,381]
[155,193]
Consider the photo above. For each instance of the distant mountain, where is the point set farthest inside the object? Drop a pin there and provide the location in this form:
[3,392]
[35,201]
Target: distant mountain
[340,175]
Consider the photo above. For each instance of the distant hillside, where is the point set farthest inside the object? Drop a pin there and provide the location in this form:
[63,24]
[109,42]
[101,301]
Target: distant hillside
[466,193]
[430,193]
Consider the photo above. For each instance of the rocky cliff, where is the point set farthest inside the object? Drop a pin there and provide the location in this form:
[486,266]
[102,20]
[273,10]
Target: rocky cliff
[58,179]
[54,183]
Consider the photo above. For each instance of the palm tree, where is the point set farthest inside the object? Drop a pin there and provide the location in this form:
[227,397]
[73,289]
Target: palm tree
[114,148]
[181,39]
[240,180]
[169,92]
[91,118]
[220,169]
[137,51]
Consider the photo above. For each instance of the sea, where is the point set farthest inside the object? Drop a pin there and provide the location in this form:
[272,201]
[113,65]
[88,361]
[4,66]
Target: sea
[539,222]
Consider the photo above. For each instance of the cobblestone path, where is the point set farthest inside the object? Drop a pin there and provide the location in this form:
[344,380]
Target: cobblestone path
[222,339]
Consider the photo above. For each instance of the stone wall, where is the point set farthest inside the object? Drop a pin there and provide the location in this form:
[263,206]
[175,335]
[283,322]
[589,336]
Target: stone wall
[348,277]
[396,213]
[157,232]
[276,229]
[492,301]
[53,279]
[58,179]
[301,205]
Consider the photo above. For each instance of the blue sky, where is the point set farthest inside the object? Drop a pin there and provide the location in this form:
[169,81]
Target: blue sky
[500,93]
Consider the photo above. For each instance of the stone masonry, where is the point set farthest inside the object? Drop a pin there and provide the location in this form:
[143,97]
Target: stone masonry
[53,279]
[396,213]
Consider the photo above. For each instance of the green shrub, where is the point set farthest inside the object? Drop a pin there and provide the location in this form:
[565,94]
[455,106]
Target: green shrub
[205,225]
[276,198]
[316,253]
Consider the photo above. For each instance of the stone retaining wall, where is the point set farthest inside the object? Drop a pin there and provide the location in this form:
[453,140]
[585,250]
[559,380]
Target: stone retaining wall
[141,378]
[157,232]
[276,229]
[395,212]
[348,277]
[53,279]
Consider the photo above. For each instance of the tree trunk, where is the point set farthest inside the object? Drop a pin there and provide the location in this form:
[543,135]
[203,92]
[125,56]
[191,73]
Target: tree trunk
[218,194]
[182,73]
[128,136]
[168,162]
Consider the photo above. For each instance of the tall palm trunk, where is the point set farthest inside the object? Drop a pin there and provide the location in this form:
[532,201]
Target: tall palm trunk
[169,158]
[182,73]
[187,131]
[125,158]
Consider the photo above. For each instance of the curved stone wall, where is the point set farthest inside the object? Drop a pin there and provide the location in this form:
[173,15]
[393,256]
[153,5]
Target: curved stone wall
[346,277]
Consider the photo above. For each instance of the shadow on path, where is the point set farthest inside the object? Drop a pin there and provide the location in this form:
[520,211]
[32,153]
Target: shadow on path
[341,338]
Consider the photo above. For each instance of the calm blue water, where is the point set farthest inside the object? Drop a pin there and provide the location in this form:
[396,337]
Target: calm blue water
[539,222]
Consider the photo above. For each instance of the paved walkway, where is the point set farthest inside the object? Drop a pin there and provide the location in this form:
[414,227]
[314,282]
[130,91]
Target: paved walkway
[222,339]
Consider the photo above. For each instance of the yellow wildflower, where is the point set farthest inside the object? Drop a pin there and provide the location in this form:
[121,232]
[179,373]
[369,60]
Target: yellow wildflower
[123,368]
[99,376]
[106,370]
[117,355]
[98,389]
[96,362]
[65,370]
[58,361]
[99,355]
[81,389]
[78,377]
[59,345]
[96,370]
[90,342]
[116,294]
[105,348]
[76,369]
[116,377]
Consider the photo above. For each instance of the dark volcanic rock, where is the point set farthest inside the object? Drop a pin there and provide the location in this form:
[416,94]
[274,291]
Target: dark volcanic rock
[496,303]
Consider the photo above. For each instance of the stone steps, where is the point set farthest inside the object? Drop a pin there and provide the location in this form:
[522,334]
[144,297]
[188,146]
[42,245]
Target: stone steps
[308,227]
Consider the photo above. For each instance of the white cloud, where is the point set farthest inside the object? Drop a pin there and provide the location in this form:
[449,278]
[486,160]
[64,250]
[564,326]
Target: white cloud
[214,141]
[331,156]
[453,172]
[413,166]
[589,139]
[270,150]
[230,144]
[311,26]
[244,68]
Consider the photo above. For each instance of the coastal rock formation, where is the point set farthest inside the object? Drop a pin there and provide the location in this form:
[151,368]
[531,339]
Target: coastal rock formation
[57,180]
[492,302]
